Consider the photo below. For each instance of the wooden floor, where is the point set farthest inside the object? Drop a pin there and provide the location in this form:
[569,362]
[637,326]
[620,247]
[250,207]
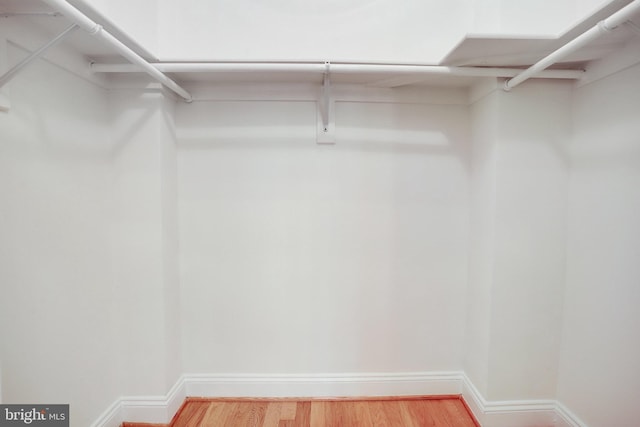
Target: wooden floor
[402,412]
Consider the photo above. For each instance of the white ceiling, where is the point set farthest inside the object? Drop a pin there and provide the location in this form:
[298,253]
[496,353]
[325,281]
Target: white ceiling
[473,50]
[514,50]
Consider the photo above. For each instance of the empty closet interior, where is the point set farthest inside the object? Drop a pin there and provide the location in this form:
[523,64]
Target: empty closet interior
[304,198]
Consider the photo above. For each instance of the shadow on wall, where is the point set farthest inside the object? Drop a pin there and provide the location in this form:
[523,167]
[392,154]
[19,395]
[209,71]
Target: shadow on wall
[364,127]
[140,110]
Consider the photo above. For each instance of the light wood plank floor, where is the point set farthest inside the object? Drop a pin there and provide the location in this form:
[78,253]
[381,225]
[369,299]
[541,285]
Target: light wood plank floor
[402,412]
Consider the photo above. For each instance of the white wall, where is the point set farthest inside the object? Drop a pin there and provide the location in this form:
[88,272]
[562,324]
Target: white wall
[517,260]
[88,255]
[530,240]
[145,243]
[300,258]
[484,115]
[56,274]
[599,377]
[170,241]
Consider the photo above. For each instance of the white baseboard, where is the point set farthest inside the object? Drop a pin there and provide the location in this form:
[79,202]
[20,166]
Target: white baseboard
[515,413]
[150,409]
[154,409]
[324,385]
[511,413]
[111,417]
[566,418]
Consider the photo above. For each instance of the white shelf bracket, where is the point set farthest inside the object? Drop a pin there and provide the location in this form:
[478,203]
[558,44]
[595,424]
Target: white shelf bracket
[4,79]
[326,127]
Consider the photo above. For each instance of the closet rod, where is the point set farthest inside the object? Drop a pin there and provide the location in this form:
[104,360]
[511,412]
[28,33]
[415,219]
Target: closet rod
[335,68]
[96,30]
[602,27]
[4,79]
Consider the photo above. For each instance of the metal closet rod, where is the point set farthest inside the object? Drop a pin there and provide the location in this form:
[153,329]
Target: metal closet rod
[82,21]
[331,67]
[602,27]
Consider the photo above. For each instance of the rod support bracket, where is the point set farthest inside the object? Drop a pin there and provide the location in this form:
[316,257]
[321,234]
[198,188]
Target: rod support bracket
[95,30]
[325,130]
[604,28]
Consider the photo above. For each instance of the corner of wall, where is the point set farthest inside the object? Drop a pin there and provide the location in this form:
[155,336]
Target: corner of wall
[566,418]
[483,88]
